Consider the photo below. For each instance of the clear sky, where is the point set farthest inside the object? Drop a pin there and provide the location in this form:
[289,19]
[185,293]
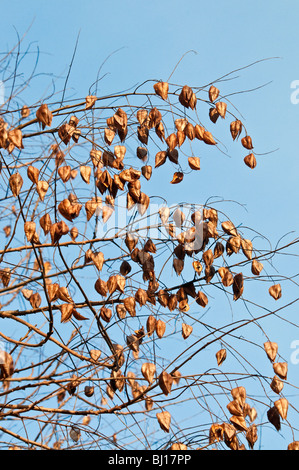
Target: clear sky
[134,41]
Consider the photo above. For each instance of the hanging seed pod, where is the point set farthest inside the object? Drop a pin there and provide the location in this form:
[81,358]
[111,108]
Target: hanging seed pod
[186,330]
[147,172]
[271,350]
[142,153]
[133,343]
[276,385]
[142,134]
[213,93]
[208,138]
[194,163]
[281,369]
[178,266]
[177,177]
[282,406]
[27,293]
[274,417]
[275,291]
[42,188]
[143,203]
[178,446]
[247,142]
[16,183]
[220,356]
[45,223]
[44,115]
[165,382]
[6,365]
[64,173]
[33,173]
[131,241]
[93,206]
[208,257]
[293,445]
[202,299]
[221,108]
[35,300]
[130,305]
[251,435]
[229,228]
[121,311]
[148,371]
[239,394]
[74,233]
[236,129]
[250,161]
[189,131]
[213,115]
[164,213]
[25,112]
[160,158]
[88,391]
[52,291]
[215,433]
[161,89]
[85,172]
[125,268]
[90,101]
[5,275]
[66,312]
[160,131]
[256,267]
[64,295]
[151,325]
[15,139]
[235,408]
[164,420]
[141,297]
[163,297]
[197,266]
[238,286]
[101,287]
[98,260]
[246,246]
[105,314]
[74,174]
[160,328]
[171,141]
[239,423]
[187,97]
[29,229]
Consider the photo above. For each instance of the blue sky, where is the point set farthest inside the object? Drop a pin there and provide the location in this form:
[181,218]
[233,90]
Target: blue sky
[133,41]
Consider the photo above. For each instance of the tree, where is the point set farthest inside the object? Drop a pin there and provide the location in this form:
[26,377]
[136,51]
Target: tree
[102,348]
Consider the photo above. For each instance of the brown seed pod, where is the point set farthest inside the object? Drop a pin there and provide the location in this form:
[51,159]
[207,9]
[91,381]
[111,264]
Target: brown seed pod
[177,177]
[90,101]
[141,297]
[281,369]
[29,229]
[187,97]
[45,223]
[239,422]
[42,188]
[239,394]
[6,365]
[52,291]
[125,268]
[15,183]
[256,267]
[293,445]
[220,356]
[194,163]
[93,206]
[236,129]
[246,246]
[121,311]
[276,385]
[213,93]
[235,408]
[164,419]
[106,314]
[238,286]
[186,330]
[44,115]
[130,305]
[274,417]
[165,382]
[250,161]
[161,89]
[151,325]
[160,328]
[33,173]
[202,299]
[35,300]
[247,142]
[74,232]
[148,371]
[229,228]
[251,435]
[282,406]
[275,291]
[101,287]
[271,350]
[85,172]
[146,172]
[221,108]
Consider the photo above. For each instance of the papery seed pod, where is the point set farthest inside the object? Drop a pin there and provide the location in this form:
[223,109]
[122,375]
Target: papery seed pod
[208,257]
[194,163]
[282,406]
[106,314]
[15,183]
[201,299]
[29,229]
[165,382]
[85,172]
[213,115]
[109,135]
[246,246]
[247,142]
[189,131]
[251,435]
[275,291]
[130,305]
[101,287]
[221,108]
[215,433]
[44,115]
[88,391]
[187,97]
[250,161]
[236,129]
[213,93]
[6,365]
[121,311]
[163,297]
[74,232]
[142,134]
[125,268]
[7,230]
[220,356]
[143,203]
[238,286]
[160,131]
[160,158]
[178,446]
[239,422]
[293,445]
[64,173]
[256,267]
[52,291]
[131,241]
[229,228]
[276,385]
[197,266]
[45,223]
[64,295]
[147,172]
[186,330]
[181,137]
[235,408]
[15,138]
[107,211]
[271,350]
[42,188]
[148,371]
[142,116]
[160,328]
[133,343]
[33,173]
[239,394]
[178,266]
[141,297]
[161,88]
[171,141]
[176,377]
[142,153]
[177,177]
[274,417]
[281,369]
[66,310]
[151,325]
[35,300]
[93,206]
[90,101]
[208,138]
[25,111]
[164,420]
[27,293]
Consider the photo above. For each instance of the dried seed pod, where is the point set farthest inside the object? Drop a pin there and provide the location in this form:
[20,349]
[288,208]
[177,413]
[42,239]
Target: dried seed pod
[29,229]
[282,406]
[229,228]
[64,173]
[208,257]
[88,391]
[187,97]
[101,287]
[293,445]
[202,299]
[146,171]
[148,371]
[275,291]
[220,356]
[6,365]
[44,115]
[161,88]
[74,232]
[239,422]
[276,385]
[281,369]
[45,223]
[213,93]
[93,206]
[197,266]
[221,108]
[208,138]
[238,286]
[33,173]
[141,297]
[35,300]
[239,394]
[165,382]
[235,408]
[125,268]
[64,295]
[194,163]
[130,305]
[106,314]
[186,330]
[52,291]
[151,325]
[142,153]
[121,311]
[256,267]
[42,188]
[15,139]
[178,266]
[236,129]
[25,112]
[247,142]
[164,419]
[178,446]
[27,293]
[90,101]
[160,328]
[250,161]
[251,435]
[274,417]
[177,177]
[213,115]
[85,172]
[15,183]
[246,246]
[271,350]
